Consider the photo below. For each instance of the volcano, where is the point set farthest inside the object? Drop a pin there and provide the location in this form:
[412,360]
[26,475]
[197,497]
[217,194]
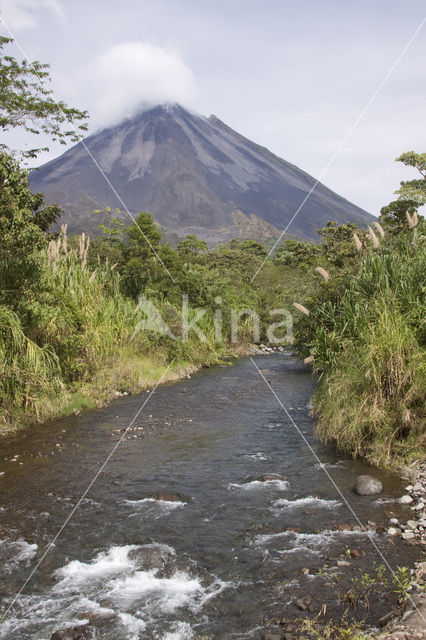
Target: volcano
[194,174]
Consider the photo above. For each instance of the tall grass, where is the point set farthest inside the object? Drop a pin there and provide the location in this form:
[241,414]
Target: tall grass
[30,376]
[368,341]
[79,334]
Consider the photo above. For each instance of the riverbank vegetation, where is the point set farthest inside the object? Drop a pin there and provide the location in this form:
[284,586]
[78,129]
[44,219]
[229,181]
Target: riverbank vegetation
[364,331]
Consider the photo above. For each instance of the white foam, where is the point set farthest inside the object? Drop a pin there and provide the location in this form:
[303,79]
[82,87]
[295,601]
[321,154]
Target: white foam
[87,604]
[329,465]
[311,540]
[281,485]
[309,501]
[182,631]
[16,551]
[115,560]
[133,625]
[168,504]
[257,457]
[169,594]
[137,587]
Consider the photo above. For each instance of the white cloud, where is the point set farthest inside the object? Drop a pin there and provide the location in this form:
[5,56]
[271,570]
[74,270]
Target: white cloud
[24,14]
[131,75]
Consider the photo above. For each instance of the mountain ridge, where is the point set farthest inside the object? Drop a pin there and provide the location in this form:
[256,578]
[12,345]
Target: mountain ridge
[192,174]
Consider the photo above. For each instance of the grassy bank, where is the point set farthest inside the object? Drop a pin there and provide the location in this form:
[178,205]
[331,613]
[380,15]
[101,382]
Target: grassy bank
[78,339]
[91,351]
[366,335]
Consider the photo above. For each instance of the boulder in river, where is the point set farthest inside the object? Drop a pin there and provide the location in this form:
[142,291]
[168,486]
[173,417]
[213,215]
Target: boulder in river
[80,632]
[168,497]
[270,477]
[368,486]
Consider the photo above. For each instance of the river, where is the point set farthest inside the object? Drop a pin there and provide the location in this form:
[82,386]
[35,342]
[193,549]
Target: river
[233,551]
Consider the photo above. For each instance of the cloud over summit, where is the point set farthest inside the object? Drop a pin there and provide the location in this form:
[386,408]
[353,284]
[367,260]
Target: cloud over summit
[132,75]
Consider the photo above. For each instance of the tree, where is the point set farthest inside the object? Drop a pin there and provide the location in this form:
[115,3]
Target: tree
[393,216]
[296,252]
[414,189]
[191,245]
[22,226]
[26,102]
[338,245]
[412,195]
[249,246]
[141,265]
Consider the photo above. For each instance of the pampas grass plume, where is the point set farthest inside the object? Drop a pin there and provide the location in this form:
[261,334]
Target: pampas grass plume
[323,272]
[357,242]
[301,308]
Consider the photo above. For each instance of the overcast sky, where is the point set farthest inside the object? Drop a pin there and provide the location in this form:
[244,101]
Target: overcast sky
[291,76]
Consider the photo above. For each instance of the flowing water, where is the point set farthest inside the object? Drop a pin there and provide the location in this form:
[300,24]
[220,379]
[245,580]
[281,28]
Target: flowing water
[215,563]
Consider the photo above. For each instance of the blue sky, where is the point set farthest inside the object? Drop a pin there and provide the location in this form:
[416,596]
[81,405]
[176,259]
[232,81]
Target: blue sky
[292,76]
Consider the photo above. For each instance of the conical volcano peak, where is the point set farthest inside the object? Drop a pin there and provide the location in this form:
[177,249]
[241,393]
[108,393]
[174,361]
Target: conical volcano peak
[194,175]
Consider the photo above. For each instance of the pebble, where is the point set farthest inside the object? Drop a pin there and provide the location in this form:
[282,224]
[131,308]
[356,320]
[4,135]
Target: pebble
[265,350]
[408,535]
[413,529]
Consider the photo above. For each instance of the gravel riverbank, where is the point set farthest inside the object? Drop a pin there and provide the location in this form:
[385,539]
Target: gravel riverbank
[410,621]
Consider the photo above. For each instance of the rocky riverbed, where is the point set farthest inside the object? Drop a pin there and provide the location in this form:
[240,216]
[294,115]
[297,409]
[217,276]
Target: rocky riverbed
[409,623]
[406,618]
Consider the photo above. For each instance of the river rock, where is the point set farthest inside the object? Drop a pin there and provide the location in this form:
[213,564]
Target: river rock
[270,477]
[407,473]
[405,499]
[343,563]
[168,497]
[80,632]
[392,531]
[408,535]
[303,603]
[368,486]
